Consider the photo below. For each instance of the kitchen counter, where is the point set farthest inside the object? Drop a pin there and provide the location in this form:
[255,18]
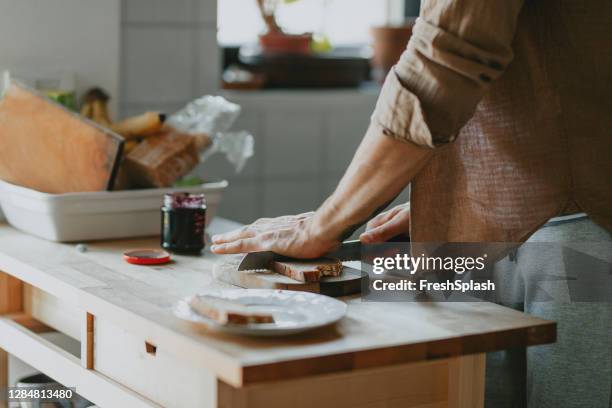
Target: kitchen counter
[136,353]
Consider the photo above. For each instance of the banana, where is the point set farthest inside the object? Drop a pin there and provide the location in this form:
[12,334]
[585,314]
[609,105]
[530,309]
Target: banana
[95,106]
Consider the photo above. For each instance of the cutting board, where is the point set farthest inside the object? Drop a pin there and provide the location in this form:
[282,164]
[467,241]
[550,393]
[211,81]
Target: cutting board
[227,271]
[48,148]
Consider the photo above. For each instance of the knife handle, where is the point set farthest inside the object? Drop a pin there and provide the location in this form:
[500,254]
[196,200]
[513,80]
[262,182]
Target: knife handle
[400,238]
[350,230]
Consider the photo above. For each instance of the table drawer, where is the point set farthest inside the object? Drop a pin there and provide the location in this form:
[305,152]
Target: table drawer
[149,370]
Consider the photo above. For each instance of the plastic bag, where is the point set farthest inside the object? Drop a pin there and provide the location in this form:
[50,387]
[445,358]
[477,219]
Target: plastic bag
[5,82]
[214,116]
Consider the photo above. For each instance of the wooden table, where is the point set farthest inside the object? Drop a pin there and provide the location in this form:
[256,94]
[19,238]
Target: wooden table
[135,353]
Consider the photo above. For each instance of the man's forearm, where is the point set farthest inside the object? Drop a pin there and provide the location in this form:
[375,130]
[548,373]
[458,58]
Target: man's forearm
[380,170]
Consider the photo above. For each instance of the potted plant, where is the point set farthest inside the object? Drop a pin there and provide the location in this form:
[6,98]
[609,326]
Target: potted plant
[275,40]
[390,40]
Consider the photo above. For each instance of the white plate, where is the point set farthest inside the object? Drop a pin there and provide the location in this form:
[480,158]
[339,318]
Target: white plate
[293,312]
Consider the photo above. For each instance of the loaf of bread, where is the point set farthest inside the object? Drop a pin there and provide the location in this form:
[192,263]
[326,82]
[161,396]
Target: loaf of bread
[308,270]
[224,311]
[160,160]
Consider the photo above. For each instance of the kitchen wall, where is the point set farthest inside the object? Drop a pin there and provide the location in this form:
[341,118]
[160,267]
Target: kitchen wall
[304,139]
[45,39]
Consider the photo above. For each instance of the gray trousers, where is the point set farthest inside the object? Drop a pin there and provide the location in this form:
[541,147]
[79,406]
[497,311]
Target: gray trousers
[543,279]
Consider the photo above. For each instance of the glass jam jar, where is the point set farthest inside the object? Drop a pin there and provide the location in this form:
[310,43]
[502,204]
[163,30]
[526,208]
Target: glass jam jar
[183,220]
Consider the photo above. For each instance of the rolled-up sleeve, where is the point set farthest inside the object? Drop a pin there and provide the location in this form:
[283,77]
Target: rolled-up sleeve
[458,47]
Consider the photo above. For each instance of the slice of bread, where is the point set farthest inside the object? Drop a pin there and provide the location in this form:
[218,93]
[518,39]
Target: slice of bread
[225,311]
[308,270]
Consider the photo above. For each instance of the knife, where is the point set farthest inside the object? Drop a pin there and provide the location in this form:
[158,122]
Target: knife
[348,251]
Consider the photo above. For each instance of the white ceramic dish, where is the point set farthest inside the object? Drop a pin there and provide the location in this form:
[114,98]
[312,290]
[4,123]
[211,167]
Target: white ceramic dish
[294,312]
[93,216]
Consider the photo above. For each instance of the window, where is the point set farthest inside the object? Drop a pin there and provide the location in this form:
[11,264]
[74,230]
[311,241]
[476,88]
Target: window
[344,22]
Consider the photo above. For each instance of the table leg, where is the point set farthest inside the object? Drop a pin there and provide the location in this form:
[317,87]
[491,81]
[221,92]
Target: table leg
[10,302]
[467,381]
[3,376]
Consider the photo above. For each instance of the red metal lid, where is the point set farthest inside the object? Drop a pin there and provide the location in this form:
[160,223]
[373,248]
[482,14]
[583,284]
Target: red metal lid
[146,256]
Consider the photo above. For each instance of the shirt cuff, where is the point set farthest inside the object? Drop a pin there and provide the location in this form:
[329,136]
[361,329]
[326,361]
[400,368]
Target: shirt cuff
[398,112]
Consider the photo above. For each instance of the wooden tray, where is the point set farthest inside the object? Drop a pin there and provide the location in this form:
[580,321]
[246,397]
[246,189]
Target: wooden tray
[346,284]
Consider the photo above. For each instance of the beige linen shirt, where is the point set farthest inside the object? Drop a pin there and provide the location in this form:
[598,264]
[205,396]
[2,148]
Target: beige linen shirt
[515,96]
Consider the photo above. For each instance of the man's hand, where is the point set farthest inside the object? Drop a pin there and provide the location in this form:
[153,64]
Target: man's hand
[295,236]
[387,225]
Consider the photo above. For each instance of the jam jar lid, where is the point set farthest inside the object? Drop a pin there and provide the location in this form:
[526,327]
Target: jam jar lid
[146,256]
[184,200]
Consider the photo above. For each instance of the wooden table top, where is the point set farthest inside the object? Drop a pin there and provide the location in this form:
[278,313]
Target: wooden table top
[140,299]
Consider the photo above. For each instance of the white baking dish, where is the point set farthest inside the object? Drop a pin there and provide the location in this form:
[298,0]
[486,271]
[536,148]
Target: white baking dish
[99,215]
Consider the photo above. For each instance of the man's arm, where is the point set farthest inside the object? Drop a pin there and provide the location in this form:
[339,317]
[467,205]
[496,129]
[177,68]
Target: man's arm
[380,170]
[458,48]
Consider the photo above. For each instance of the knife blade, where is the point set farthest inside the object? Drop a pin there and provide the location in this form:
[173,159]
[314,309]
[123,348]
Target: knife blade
[348,251]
